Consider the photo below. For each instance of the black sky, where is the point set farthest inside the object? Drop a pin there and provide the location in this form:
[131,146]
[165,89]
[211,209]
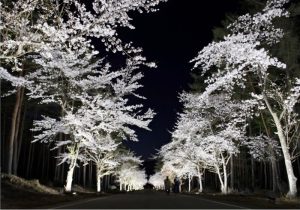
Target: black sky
[171,37]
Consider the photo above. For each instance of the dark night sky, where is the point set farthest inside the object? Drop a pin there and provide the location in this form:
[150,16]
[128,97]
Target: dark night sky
[171,37]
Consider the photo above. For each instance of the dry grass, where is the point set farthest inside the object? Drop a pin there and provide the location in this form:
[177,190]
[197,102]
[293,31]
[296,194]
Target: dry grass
[31,185]
[19,193]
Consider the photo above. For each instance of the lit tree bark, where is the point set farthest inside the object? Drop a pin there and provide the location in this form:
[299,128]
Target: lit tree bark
[225,176]
[20,140]
[120,186]
[200,183]
[13,131]
[189,178]
[220,178]
[68,186]
[17,141]
[200,180]
[98,180]
[287,158]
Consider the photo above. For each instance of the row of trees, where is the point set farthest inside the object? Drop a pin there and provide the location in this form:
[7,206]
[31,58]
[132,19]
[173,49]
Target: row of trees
[48,58]
[249,104]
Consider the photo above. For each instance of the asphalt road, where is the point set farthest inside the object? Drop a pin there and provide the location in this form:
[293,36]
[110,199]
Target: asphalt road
[148,200]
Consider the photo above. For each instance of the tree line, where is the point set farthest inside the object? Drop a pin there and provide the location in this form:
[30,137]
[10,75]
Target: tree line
[244,105]
[59,90]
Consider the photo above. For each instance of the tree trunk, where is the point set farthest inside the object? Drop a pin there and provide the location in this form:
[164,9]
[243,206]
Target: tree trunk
[275,176]
[200,180]
[62,174]
[261,169]
[43,161]
[47,162]
[108,182]
[18,134]
[13,131]
[68,186]
[78,172]
[29,160]
[180,185]
[84,176]
[2,133]
[225,191]
[287,158]
[189,177]
[298,163]
[221,180]
[20,141]
[265,175]
[238,171]
[3,129]
[98,180]
[231,173]
[90,174]
[200,183]
[252,174]
[57,167]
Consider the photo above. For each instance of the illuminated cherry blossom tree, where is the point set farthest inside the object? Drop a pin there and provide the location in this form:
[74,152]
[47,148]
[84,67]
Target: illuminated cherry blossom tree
[243,55]
[130,176]
[157,180]
[102,153]
[104,111]
[208,133]
[56,36]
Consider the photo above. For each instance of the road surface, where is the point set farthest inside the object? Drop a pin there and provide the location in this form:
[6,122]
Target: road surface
[148,200]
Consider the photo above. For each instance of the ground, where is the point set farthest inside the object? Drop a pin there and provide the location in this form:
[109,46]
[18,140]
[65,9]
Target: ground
[148,199]
[20,193]
[13,197]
